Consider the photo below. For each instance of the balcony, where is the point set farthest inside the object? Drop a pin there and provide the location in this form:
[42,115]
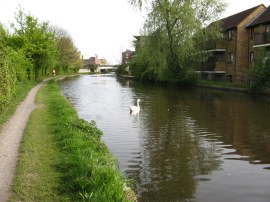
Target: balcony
[262,38]
[221,44]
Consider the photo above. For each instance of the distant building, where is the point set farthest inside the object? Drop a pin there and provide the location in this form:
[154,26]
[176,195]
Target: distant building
[94,61]
[102,61]
[127,56]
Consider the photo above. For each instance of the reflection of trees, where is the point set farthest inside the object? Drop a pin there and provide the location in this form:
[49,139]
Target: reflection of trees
[180,144]
[238,119]
[172,154]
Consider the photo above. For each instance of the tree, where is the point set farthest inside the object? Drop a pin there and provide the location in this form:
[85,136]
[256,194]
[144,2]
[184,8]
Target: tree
[92,67]
[69,59]
[259,74]
[37,43]
[174,23]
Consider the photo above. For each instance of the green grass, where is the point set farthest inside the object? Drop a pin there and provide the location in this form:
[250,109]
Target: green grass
[62,157]
[22,90]
[222,84]
[36,178]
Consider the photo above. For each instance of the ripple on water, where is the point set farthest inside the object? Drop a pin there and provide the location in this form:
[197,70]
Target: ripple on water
[186,144]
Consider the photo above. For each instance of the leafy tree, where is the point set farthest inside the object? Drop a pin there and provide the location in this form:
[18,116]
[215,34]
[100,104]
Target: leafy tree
[7,73]
[69,59]
[170,28]
[7,79]
[21,64]
[93,67]
[207,39]
[37,43]
[259,74]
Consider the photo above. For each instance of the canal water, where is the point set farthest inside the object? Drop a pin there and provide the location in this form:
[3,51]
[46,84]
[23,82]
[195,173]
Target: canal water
[185,144]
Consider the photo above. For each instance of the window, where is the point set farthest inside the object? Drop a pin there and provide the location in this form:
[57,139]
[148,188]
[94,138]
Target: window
[229,78]
[268,28]
[230,58]
[267,33]
[231,35]
[251,57]
[220,56]
[251,33]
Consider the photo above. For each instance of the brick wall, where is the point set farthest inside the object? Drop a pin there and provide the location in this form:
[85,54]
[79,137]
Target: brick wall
[243,45]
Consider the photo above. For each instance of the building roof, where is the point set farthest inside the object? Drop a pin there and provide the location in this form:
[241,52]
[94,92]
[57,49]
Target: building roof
[128,51]
[264,18]
[234,20]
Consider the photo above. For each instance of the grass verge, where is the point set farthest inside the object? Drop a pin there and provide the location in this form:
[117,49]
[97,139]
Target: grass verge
[22,90]
[222,84]
[62,157]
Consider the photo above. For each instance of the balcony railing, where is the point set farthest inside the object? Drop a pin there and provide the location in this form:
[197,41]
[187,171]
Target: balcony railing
[216,45]
[262,38]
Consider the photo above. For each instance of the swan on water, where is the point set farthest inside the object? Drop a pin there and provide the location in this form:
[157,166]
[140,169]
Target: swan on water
[135,109]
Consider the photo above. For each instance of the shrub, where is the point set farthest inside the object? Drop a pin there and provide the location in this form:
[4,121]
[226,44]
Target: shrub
[259,75]
[7,80]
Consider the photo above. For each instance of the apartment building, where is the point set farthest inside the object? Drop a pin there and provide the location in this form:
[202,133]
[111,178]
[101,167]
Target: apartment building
[230,58]
[259,37]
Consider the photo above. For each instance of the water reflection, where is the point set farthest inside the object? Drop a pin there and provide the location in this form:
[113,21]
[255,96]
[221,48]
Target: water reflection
[185,144]
[241,124]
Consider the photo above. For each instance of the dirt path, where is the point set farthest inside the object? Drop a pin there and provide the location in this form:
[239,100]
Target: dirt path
[10,139]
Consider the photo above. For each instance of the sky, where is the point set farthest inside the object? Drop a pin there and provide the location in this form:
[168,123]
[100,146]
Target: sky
[102,27]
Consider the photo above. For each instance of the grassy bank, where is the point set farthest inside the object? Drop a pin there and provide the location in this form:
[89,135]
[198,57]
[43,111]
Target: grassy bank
[22,90]
[240,87]
[222,84]
[62,157]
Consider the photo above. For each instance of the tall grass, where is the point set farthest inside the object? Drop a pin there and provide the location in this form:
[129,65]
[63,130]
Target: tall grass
[62,157]
[89,171]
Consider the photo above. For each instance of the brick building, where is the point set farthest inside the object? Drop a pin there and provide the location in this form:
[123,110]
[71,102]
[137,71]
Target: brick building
[95,61]
[230,58]
[259,36]
[127,56]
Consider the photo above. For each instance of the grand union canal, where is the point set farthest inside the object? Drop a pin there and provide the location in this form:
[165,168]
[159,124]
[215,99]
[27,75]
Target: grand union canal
[185,144]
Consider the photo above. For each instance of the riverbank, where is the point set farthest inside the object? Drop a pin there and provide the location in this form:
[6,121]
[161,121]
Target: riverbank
[223,86]
[62,157]
[244,88]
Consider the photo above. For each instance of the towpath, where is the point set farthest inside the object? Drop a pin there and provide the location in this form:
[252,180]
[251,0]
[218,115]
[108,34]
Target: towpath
[10,139]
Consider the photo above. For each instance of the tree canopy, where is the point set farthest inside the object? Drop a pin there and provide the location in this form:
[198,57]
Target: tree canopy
[45,47]
[30,51]
[170,31]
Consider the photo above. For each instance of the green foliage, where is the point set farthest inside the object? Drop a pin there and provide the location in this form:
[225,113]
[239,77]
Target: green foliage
[169,48]
[259,74]
[93,67]
[7,73]
[20,63]
[31,53]
[90,173]
[36,177]
[8,107]
[12,72]
[37,43]
[69,60]
[151,59]
[7,80]
[123,70]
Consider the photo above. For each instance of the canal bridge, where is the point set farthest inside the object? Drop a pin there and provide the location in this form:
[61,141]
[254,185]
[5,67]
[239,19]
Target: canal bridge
[100,69]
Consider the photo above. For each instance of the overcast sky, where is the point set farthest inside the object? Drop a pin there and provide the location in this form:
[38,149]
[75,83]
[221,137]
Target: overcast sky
[102,27]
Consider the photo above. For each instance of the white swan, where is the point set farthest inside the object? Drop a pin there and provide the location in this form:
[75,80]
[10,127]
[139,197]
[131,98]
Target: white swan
[135,109]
